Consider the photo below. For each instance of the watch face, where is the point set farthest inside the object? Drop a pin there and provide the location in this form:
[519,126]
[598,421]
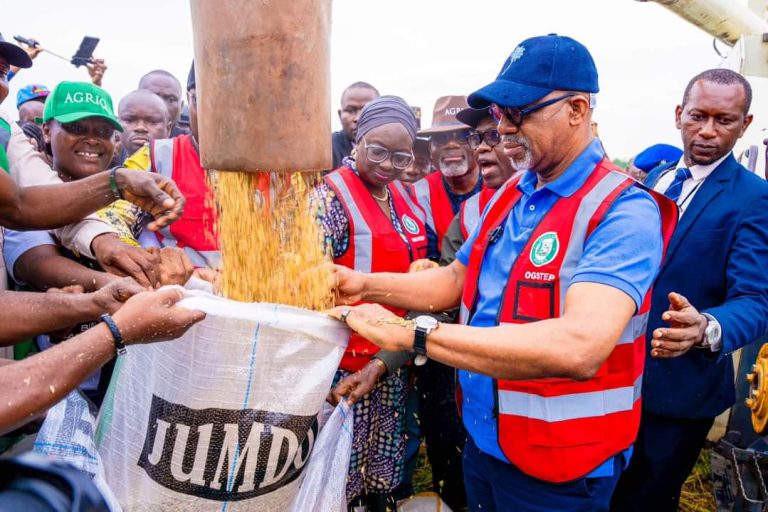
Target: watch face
[425,321]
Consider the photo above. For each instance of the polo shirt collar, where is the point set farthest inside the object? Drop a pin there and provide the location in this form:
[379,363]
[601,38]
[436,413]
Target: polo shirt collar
[573,177]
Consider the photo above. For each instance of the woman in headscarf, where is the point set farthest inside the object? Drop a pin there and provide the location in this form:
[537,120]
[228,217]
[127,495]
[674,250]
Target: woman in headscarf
[372,225]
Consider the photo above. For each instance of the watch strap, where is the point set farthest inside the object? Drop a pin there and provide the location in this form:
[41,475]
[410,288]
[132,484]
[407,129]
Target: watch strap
[420,341]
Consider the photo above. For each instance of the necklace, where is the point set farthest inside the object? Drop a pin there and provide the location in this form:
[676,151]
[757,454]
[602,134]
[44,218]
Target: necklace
[386,195]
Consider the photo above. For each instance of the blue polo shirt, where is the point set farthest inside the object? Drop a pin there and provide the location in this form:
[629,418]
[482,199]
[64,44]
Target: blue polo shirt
[624,251]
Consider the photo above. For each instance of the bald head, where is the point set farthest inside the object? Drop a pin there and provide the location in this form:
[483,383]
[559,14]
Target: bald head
[144,116]
[165,85]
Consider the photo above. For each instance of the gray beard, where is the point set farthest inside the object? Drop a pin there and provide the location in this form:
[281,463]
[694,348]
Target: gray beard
[523,165]
[455,170]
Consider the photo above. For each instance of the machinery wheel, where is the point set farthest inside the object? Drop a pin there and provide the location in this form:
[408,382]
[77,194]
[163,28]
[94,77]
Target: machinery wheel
[757,401]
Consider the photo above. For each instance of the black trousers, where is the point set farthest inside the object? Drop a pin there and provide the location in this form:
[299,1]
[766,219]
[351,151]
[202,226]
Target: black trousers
[664,455]
[442,430]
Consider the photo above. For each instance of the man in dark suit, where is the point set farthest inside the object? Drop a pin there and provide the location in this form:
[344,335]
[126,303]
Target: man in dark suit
[711,295]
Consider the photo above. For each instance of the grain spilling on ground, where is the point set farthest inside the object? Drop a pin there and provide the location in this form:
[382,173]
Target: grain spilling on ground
[271,243]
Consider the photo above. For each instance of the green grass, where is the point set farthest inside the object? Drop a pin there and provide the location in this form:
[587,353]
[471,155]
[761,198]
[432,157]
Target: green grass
[696,495]
[422,476]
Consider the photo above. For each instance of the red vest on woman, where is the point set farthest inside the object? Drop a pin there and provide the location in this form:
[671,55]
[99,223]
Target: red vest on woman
[431,195]
[560,429]
[194,232]
[374,244]
[471,210]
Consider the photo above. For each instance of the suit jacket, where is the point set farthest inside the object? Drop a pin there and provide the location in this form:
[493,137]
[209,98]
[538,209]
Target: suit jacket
[718,259]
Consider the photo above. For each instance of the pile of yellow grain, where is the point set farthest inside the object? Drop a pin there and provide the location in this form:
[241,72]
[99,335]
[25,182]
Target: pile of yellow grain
[271,243]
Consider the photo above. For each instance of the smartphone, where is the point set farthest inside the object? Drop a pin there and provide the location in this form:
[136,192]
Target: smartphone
[84,53]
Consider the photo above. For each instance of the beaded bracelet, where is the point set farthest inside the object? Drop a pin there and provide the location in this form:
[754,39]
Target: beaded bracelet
[113,183]
[119,345]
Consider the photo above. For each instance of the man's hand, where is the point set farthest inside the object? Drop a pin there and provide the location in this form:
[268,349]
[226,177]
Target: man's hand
[175,267]
[32,51]
[358,384]
[153,316]
[422,264]
[96,69]
[111,297]
[378,325]
[686,329]
[152,193]
[349,285]
[122,259]
[207,274]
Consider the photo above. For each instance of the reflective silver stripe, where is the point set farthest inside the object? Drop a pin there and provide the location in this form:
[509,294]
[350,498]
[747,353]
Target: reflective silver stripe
[163,157]
[421,188]
[634,329]
[463,313]
[5,137]
[210,259]
[589,205]
[587,209]
[362,237]
[572,406]
[471,213]
[416,209]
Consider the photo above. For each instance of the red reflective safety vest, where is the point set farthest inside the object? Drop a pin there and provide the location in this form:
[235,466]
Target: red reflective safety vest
[431,195]
[195,231]
[471,210]
[560,429]
[374,244]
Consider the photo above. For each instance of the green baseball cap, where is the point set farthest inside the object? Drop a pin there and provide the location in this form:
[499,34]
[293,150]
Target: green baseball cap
[73,101]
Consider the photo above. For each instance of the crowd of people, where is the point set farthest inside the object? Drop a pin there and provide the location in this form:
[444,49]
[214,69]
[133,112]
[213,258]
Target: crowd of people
[561,328]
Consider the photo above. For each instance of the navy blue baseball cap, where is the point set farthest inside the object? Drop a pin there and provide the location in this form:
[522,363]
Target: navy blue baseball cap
[535,68]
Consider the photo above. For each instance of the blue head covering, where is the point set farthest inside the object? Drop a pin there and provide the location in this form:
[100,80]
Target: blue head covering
[656,155]
[385,110]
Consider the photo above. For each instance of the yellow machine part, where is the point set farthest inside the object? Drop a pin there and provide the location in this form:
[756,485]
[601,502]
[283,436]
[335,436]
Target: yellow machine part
[757,400]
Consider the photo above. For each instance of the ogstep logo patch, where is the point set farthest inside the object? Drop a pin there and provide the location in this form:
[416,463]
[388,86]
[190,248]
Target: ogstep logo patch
[223,454]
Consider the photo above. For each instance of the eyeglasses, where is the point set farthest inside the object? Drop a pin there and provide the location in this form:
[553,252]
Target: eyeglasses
[441,139]
[101,131]
[378,154]
[516,115]
[491,137]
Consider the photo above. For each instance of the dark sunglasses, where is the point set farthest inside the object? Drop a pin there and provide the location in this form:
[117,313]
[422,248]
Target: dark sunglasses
[516,115]
[80,130]
[441,139]
[491,138]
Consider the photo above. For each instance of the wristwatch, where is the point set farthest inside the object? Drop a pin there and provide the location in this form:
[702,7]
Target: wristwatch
[423,325]
[712,334]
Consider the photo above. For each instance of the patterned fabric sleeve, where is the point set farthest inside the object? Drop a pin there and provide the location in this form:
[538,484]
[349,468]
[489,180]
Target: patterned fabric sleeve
[332,218]
[128,219]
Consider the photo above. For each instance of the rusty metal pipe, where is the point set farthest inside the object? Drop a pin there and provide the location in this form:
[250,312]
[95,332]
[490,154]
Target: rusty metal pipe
[263,84]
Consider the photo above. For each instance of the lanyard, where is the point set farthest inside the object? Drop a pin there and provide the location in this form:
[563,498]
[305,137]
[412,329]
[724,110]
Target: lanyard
[690,194]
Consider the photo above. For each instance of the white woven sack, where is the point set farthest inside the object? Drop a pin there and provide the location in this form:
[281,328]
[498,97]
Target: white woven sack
[223,418]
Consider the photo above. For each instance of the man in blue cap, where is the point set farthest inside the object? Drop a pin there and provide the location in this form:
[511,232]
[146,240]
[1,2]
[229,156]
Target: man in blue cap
[553,290]
[30,100]
[654,159]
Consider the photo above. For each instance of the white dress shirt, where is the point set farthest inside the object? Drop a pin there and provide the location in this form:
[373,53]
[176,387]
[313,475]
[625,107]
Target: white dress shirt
[691,185]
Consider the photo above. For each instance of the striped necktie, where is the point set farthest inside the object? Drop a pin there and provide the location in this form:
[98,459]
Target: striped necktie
[676,187]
